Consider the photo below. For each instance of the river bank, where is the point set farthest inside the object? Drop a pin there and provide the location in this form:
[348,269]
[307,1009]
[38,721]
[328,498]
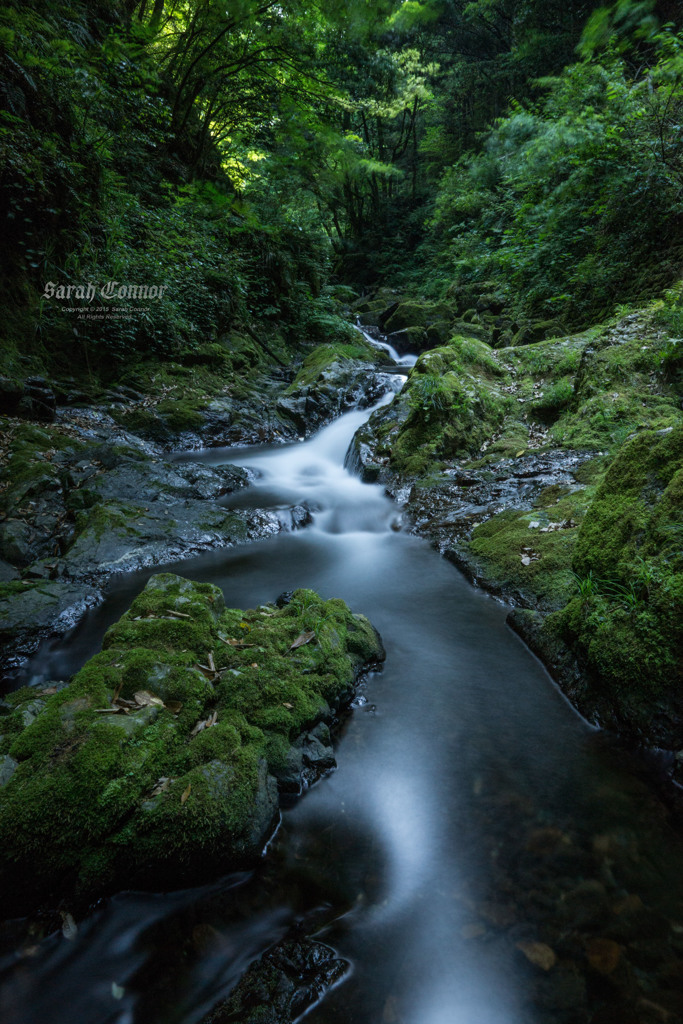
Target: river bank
[90,492]
[550,474]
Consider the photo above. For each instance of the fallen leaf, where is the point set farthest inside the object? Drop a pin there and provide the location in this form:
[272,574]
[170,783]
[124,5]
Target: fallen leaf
[186,793]
[122,702]
[303,638]
[603,955]
[539,954]
[288,705]
[210,673]
[205,723]
[178,615]
[174,706]
[143,698]
[253,665]
[235,643]
[48,691]
[161,786]
[519,454]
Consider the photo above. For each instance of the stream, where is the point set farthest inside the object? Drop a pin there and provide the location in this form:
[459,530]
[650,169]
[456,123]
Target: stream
[474,818]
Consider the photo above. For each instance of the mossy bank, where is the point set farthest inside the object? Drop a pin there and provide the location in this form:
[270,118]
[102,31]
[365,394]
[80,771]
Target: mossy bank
[161,761]
[550,473]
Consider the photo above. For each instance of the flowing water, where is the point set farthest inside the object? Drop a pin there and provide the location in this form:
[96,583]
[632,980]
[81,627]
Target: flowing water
[472,812]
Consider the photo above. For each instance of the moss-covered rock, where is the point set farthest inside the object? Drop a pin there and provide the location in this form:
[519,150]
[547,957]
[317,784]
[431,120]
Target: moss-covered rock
[333,379]
[538,330]
[527,556]
[158,762]
[626,621]
[453,404]
[282,985]
[418,314]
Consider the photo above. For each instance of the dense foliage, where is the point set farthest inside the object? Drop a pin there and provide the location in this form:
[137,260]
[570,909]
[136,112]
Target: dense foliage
[241,154]
[575,201]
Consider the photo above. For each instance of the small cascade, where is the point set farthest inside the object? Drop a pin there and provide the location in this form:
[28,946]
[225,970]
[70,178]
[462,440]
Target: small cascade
[406,360]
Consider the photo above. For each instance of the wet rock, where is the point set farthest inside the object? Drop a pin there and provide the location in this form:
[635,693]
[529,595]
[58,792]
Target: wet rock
[411,340]
[17,539]
[563,989]
[33,399]
[386,314]
[30,612]
[38,401]
[603,955]
[8,572]
[539,954]
[8,766]
[255,420]
[311,756]
[324,390]
[121,537]
[586,906]
[296,408]
[282,985]
[158,481]
[301,517]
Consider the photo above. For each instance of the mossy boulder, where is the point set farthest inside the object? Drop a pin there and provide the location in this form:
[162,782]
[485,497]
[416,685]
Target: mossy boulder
[626,622]
[538,330]
[410,340]
[527,555]
[159,762]
[333,379]
[418,314]
[454,404]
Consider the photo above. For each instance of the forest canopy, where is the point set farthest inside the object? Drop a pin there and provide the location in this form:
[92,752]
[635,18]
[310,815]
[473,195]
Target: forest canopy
[248,154]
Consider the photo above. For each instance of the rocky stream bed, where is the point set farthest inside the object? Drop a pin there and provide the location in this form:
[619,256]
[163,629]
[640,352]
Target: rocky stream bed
[197,720]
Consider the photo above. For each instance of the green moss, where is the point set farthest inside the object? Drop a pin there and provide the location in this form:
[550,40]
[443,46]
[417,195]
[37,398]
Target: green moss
[324,356]
[184,784]
[418,314]
[15,587]
[626,621]
[107,517]
[182,415]
[28,468]
[477,355]
[499,545]
[553,399]
[628,504]
[451,410]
